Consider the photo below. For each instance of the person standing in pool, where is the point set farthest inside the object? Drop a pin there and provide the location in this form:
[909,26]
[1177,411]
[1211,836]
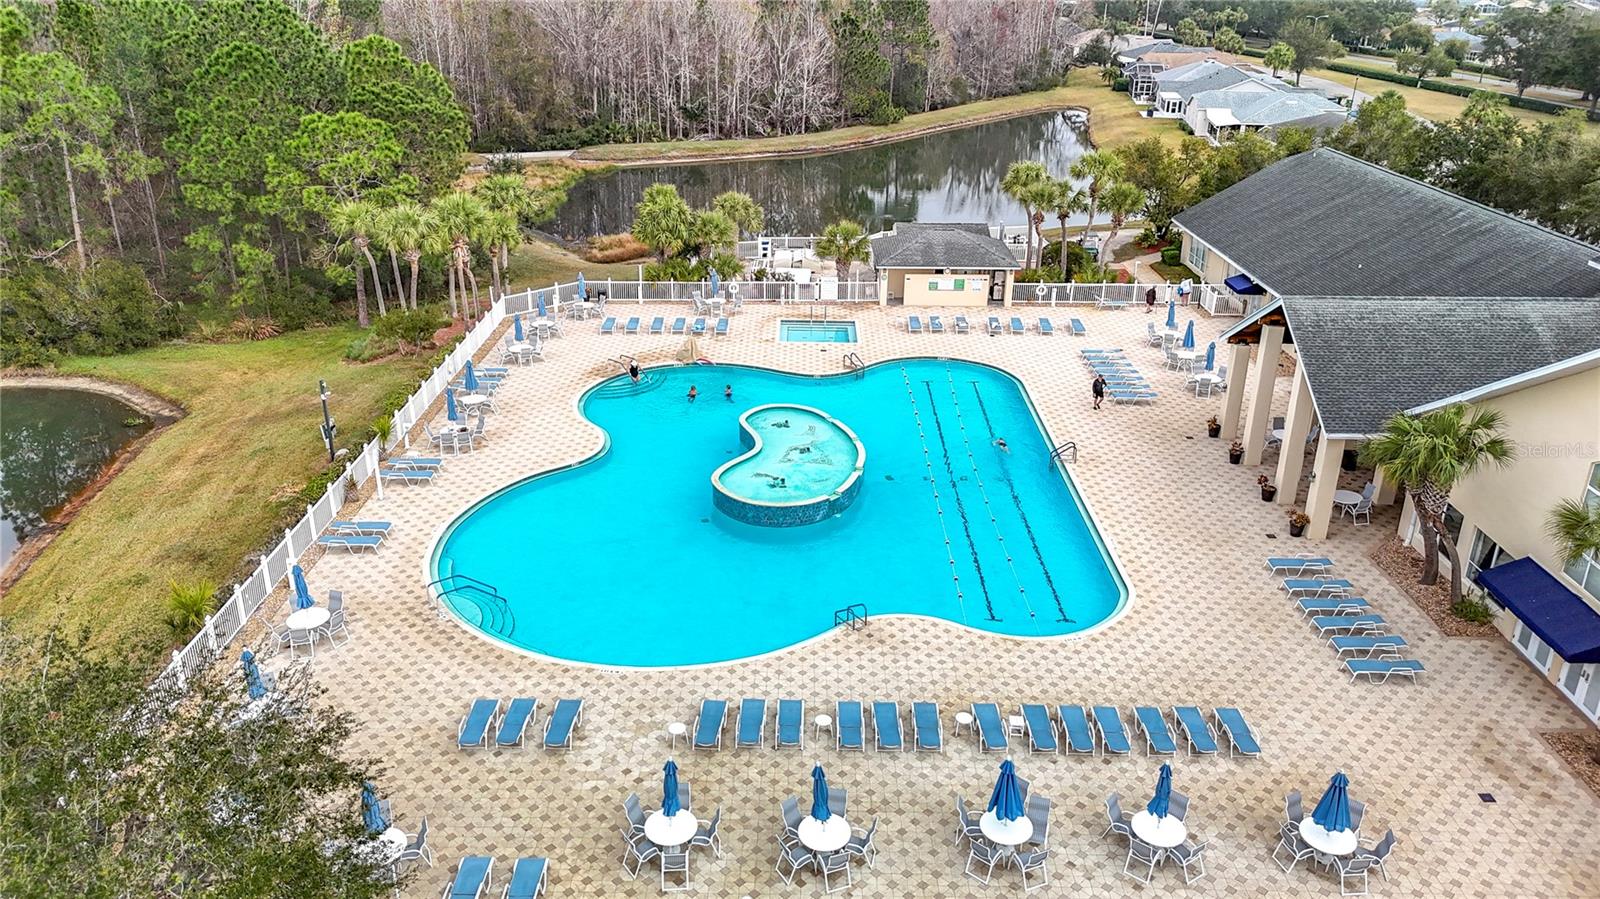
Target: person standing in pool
[693,393]
[727,393]
[1099,388]
[633,371]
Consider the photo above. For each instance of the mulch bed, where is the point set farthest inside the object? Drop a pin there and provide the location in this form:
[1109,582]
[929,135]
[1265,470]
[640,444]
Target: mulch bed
[1580,749]
[1403,565]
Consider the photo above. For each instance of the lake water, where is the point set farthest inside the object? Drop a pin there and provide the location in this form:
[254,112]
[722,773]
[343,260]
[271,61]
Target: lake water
[951,176]
[52,443]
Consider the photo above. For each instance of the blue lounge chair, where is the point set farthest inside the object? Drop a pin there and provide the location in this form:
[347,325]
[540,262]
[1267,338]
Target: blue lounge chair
[1327,625]
[1197,734]
[991,727]
[609,326]
[562,724]
[514,722]
[1316,586]
[886,727]
[962,325]
[935,325]
[1132,396]
[472,878]
[1340,605]
[679,325]
[475,724]
[752,723]
[1041,733]
[914,324]
[708,724]
[415,462]
[1045,328]
[1075,727]
[848,733]
[1380,670]
[994,326]
[722,326]
[527,879]
[351,542]
[1157,739]
[928,726]
[1078,330]
[1367,646]
[360,527]
[407,475]
[1113,736]
[791,724]
[633,325]
[1298,566]
[1017,327]
[1241,739]
[699,327]
[658,325]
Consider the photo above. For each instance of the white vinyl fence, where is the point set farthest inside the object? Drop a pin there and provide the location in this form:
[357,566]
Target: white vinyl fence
[1216,299]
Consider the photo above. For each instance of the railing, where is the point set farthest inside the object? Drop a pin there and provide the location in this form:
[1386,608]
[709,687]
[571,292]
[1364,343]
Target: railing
[853,362]
[494,613]
[1215,299]
[638,291]
[853,616]
[1062,450]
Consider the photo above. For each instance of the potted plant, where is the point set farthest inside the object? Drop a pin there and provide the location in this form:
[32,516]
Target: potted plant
[1297,523]
[1236,453]
[1268,491]
[1213,427]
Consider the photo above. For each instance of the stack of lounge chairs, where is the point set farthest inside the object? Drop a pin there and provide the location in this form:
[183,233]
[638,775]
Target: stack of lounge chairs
[487,725]
[1124,383]
[411,469]
[355,536]
[1359,636]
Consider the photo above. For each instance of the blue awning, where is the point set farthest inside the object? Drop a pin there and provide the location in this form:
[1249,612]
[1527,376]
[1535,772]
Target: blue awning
[1560,617]
[1243,285]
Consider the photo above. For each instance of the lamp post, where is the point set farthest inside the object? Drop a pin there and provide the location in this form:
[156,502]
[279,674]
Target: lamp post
[1315,19]
[329,429]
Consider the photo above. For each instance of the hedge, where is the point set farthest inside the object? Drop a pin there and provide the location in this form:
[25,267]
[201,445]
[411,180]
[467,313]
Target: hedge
[1445,87]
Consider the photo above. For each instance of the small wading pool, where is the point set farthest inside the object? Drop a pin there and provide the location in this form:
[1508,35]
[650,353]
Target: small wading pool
[816,332]
[801,466]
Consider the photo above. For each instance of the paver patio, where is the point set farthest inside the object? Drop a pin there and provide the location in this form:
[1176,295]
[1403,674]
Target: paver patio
[1206,627]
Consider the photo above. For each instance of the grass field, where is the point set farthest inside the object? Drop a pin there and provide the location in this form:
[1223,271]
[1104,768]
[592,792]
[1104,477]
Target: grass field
[1113,120]
[539,263]
[1434,105]
[212,489]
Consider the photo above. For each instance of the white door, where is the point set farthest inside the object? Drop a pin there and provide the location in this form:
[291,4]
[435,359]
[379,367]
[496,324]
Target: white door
[1582,684]
[1534,648]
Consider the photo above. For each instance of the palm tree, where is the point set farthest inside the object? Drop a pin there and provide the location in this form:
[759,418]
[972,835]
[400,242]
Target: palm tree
[1018,184]
[1065,199]
[402,229]
[506,193]
[342,219]
[1039,197]
[1429,454]
[1121,200]
[1575,527]
[844,242]
[1099,168]
[458,217]
[498,231]
[355,221]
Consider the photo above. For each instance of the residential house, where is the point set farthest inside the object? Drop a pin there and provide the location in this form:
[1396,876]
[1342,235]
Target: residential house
[1174,87]
[1146,59]
[1218,115]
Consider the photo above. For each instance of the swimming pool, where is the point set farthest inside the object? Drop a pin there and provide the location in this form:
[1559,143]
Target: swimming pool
[797,331]
[624,561]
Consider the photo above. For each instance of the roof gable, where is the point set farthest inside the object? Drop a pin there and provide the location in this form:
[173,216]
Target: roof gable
[941,245]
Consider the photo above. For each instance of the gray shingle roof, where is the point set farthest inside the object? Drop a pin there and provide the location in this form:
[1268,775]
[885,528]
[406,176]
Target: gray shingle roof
[1367,358]
[1267,110]
[1324,223]
[941,245]
[1186,81]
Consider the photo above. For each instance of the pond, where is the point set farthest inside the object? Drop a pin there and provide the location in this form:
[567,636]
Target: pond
[950,176]
[53,442]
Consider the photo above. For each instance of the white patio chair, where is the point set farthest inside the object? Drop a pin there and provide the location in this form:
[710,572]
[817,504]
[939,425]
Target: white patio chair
[416,847]
[1353,869]
[1119,819]
[791,858]
[638,850]
[980,852]
[1298,849]
[302,638]
[1379,853]
[1142,854]
[1034,862]
[706,834]
[861,844]
[833,865]
[675,863]
[335,625]
[966,823]
[1190,854]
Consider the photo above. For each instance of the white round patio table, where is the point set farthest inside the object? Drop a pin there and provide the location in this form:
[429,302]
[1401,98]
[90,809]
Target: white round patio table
[307,619]
[392,842]
[824,836]
[963,720]
[820,724]
[1163,833]
[1005,833]
[673,831]
[676,731]
[521,347]
[471,401]
[1346,497]
[1334,842]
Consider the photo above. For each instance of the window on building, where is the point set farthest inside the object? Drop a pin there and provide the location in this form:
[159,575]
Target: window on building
[1197,256]
[1485,553]
[1453,520]
[1586,570]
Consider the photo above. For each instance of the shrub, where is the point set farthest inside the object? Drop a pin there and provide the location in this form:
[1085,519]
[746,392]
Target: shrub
[111,308]
[411,328]
[615,248]
[1474,609]
[1121,85]
[1171,256]
[188,604]
[1044,275]
[675,269]
[369,347]
[248,327]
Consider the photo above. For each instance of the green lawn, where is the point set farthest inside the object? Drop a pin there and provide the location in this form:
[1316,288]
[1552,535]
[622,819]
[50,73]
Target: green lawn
[1433,105]
[212,489]
[540,263]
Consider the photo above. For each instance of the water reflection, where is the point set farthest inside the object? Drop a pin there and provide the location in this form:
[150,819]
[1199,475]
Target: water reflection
[944,177]
[52,443]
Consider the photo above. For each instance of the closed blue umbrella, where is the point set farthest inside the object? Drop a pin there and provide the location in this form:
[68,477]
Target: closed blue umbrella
[583,287]
[1006,800]
[1211,355]
[541,304]
[819,794]
[516,327]
[252,675]
[470,379]
[1188,336]
[669,789]
[1333,812]
[716,282]
[371,809]
[1172,314]
[1158,803]
[450,404]
[302,596]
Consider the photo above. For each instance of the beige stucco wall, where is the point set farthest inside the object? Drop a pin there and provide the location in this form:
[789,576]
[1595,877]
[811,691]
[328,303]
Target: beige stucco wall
[1216,270]
[919,290]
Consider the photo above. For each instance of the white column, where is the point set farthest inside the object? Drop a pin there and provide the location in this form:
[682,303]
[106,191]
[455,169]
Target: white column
[1260,411]
[1292,454]
[1233,401]
[1385,489]
[1324,480]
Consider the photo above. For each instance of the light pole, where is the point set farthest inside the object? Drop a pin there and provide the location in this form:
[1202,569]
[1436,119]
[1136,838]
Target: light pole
[329,429]
[1315,19]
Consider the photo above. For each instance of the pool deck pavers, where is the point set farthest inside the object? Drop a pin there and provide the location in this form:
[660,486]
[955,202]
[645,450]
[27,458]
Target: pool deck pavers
[1207,627]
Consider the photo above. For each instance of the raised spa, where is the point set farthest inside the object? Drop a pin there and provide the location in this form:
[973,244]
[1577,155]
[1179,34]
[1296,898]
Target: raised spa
[801,466]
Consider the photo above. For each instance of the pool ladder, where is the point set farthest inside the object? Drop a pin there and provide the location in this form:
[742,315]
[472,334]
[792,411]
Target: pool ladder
[1060,453]
[853,616]
[853,362]
[494,614]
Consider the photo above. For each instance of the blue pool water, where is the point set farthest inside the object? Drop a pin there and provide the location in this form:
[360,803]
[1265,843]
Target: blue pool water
[623,560]
[816,332]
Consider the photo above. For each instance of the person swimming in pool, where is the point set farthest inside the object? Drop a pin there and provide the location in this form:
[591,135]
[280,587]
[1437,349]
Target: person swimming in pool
[633,371]
[693,393]
[1000,444]
[727,393]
